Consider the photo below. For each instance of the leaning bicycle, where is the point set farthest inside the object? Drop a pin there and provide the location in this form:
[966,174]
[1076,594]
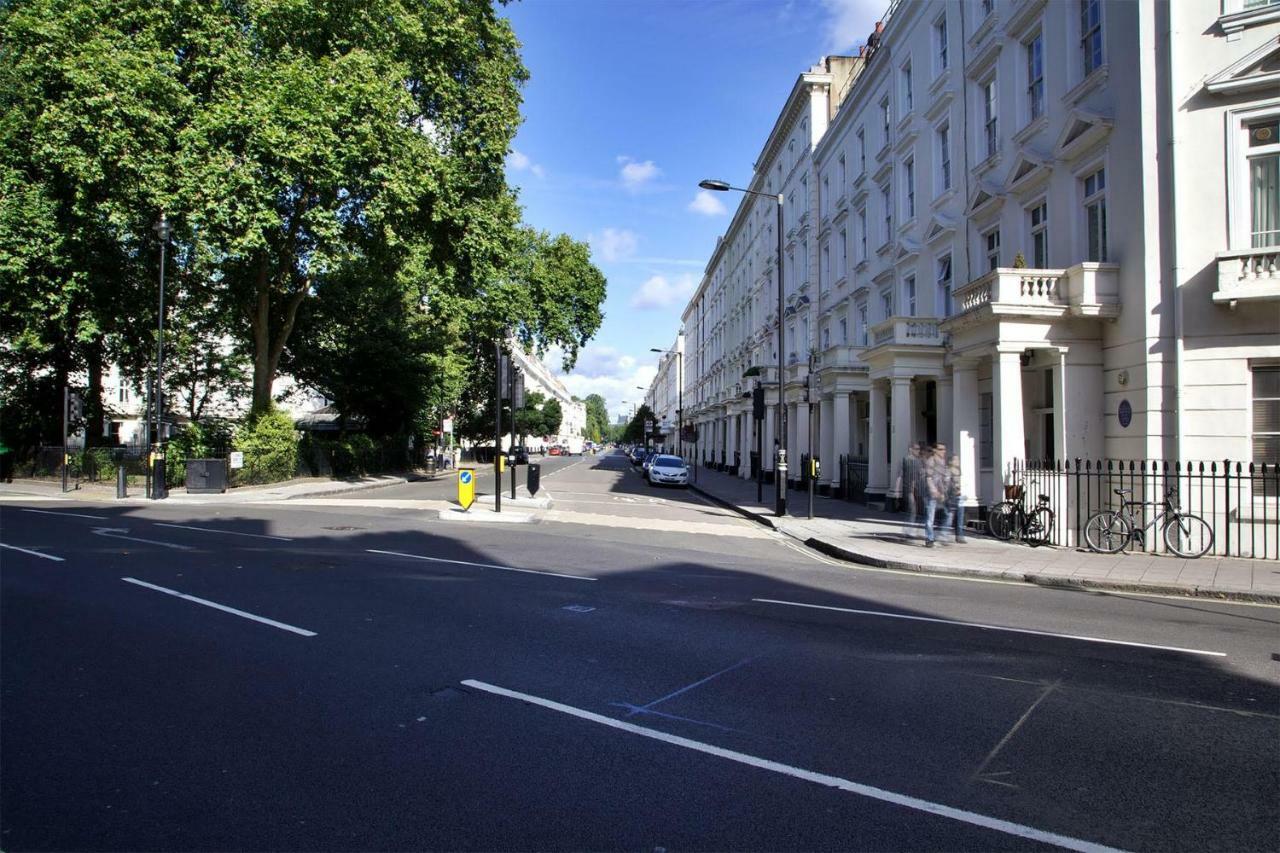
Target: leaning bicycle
[1186,535]
[1011,519]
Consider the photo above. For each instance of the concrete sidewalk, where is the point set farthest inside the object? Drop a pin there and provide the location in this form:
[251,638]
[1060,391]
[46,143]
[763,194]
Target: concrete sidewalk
[858,534]
[301,487]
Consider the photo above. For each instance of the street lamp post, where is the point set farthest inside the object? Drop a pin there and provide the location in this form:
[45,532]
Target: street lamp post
[679,395]
[162,231]
[780,466]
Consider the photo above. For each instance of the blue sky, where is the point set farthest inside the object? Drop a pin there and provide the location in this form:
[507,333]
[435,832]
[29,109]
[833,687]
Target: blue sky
[628,106]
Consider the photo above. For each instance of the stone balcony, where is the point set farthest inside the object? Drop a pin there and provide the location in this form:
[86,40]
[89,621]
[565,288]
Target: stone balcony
[840,356]
[1084,290]
[907,331]
[1246,275]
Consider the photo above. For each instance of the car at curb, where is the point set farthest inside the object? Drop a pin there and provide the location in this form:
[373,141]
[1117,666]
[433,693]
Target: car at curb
[666,470]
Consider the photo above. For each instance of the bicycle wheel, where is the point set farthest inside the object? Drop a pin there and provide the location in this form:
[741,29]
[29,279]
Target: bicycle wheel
[1188,536]
[1038,527]
[1107,532]
[1002,518]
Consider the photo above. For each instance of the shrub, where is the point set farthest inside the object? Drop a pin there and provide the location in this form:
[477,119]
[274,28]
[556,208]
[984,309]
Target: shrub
[95,463]
[270,448]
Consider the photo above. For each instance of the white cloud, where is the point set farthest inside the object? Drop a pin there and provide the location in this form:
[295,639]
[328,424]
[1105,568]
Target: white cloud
[662,292]
[614,244]
[706,203]
[636,175]
[518,161]
[849,22]
[608,372]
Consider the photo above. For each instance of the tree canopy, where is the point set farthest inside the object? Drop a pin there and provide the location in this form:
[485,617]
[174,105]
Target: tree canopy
[334,176]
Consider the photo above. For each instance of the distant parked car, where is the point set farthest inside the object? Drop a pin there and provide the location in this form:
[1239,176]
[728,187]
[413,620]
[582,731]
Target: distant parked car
[668,470]
[648,460]
[520,455]
[553,450]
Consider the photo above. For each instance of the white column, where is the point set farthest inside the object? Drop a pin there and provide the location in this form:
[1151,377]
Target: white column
[945,412]
[901,438]
[770,428]
[827,454]
[877,442]
[1006,404]
[732,439]
[746,443]
[840,428]
[965,427]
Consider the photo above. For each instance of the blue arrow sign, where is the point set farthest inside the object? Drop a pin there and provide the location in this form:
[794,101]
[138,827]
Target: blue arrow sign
[465,476]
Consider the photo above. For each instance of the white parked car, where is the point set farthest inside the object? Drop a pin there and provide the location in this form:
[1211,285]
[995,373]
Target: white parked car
[668,471]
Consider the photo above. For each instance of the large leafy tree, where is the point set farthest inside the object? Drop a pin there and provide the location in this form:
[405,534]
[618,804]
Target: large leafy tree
[597,427]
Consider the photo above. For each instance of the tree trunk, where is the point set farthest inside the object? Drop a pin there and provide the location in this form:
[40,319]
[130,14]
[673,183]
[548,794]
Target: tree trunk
[93,409]
[261,325]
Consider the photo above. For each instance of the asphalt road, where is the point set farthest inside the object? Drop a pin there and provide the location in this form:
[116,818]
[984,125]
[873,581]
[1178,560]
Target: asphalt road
[420,684]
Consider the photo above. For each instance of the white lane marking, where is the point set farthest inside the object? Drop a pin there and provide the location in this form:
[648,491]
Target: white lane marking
[480,565]
[75,514]
[227,532]
[216,606]
[972,818]
[118,533]
[995,628]
[33,553]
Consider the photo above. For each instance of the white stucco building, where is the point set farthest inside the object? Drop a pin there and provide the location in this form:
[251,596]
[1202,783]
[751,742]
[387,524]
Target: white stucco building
[537,377]
[664,395]
[1026,229]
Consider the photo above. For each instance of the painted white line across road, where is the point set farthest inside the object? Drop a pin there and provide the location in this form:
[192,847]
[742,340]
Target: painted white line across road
[264,620]
[974,819]
[983,627]
[480,565]
[227,532]
[73,514]
[32,553]
[119,533]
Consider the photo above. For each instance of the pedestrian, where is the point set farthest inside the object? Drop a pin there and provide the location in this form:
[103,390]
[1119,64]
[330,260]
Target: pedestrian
[908,488]
[955,502]
[937,491]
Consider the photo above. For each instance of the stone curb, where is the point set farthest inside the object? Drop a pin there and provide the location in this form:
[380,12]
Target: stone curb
[352,487]
[859,558]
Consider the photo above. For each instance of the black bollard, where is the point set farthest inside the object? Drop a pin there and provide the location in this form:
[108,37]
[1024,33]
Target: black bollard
[122,482]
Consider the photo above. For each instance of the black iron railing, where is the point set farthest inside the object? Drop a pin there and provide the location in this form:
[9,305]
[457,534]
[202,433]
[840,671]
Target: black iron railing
[853,478]
[1239,500]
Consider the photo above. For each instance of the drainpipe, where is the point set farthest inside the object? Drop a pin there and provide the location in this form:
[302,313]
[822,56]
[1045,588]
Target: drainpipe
[1175,133]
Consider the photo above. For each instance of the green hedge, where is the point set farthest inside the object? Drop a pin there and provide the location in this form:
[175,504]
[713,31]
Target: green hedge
[270,447]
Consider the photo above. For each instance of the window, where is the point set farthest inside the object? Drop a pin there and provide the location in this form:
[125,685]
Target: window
[990,116]
[985,433]
[826,263]
[862,324]
[826,338]
[844,331]
[1035,77]
[842,258]
[841,175]
[886,198]
[886,303]
[944,286]
[1264,183]
[862,151]
[987,7]
[944,156]
[1095,215]
[826,196]
[908,96]
[909,295]
[910,179]
[862,234]
[940,39]
[1091,34]
[991,246]
[884,119]
[1266,415]
[124,394]
[1040,236]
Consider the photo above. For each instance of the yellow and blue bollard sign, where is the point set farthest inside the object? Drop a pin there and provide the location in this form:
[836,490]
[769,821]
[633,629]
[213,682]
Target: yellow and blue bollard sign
[466,487]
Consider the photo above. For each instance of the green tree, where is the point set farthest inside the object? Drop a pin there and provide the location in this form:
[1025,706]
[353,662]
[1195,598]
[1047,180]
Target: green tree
[597,426]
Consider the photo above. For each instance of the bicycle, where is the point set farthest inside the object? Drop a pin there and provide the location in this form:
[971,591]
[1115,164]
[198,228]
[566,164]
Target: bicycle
[1109,531]
[1010,519]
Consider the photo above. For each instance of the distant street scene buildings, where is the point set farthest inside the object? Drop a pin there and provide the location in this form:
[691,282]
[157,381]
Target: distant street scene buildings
[1028,230]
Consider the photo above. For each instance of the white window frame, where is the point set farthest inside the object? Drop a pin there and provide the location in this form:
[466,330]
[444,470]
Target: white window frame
[989,99]
[1033,48]
[844,330]
[842,256]
[1035,229]
[989,251]
[909,294]
[886,198]
[1239,209]
[861,328]
[862,234]
[886,118]
[1087,63]
[1254,399]
[943,137]
[1098,197]
[908,95]
[909,187]
[862,150]
[942,57]
[946,284]
[887,306]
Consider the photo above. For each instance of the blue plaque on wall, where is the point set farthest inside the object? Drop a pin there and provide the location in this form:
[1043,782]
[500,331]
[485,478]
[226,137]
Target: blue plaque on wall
[1126,414]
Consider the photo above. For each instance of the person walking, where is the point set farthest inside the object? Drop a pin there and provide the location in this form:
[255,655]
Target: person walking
[955,502]
[937,491]
[910,479]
